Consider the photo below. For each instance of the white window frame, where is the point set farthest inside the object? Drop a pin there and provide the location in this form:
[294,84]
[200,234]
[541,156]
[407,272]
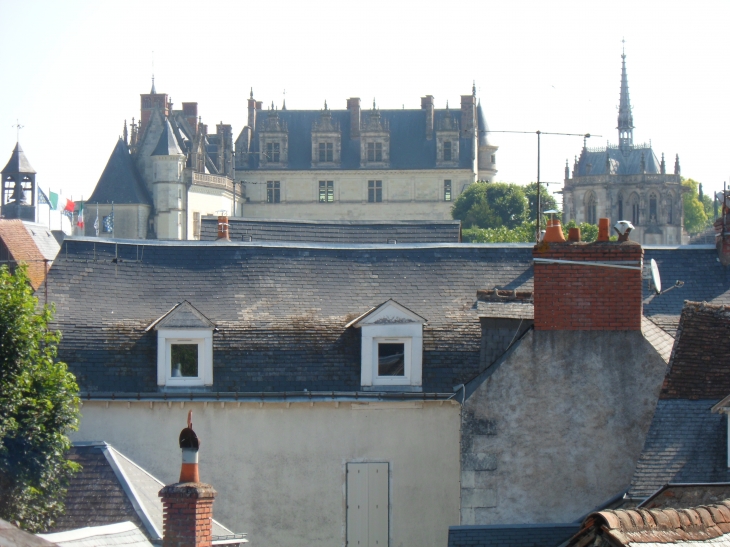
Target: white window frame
[204,340]
[408,334]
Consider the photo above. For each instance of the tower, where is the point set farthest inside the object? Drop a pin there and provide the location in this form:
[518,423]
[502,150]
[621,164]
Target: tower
[149,102]
[487,155]
[168,186]
[19,188]
[625,117]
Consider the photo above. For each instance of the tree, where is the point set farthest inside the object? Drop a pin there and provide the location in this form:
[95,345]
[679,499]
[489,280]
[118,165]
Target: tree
[491,205]
[524,233]
[38,405]
[588,232]
[547,200]
[695,217]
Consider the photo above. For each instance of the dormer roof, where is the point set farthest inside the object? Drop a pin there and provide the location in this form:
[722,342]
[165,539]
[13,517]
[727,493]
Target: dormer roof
[167,145]
[387,312]
[182,316]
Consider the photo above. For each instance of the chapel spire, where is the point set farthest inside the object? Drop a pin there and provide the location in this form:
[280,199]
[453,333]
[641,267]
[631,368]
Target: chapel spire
[625,118]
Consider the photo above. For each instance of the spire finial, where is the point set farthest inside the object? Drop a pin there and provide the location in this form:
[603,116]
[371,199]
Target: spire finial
[126,135]
[17,127]
[447,104]
[474,88]
[153,92]
[251,94]
[373,103]
[325,104]
[625,116]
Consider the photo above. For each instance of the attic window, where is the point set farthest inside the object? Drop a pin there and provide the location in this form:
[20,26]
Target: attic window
[392,347]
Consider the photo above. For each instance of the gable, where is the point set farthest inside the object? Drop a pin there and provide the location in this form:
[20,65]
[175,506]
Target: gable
[389,312]
[182,316]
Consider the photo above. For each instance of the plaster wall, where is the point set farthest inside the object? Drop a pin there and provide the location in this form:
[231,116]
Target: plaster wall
[208,201]
[280,471]
[558,427]
[130,220]
[407,195]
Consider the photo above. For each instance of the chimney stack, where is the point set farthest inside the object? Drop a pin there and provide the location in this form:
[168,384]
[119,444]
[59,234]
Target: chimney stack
[188,504]
[251,112]
[427,105]
[353,105]
[588,286]
[468,115]
[223,228]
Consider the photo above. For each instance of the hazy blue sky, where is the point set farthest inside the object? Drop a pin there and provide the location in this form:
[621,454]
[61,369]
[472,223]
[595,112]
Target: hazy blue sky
[72,71]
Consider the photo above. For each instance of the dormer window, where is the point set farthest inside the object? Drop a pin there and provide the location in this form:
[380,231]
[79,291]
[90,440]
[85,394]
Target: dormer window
[392,347]
[184,347]
[273,151]
[326,152]
[375,151]
[447,150]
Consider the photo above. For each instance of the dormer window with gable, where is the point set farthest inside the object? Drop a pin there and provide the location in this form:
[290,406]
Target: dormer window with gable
[374,140]
[274,141]
[184,347]
[447,141]
[392,347]
[326,140]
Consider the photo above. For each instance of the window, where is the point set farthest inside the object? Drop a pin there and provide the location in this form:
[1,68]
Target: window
[635,214]
[591,209]
[620,207]
[326,191]
[196,225]
[447,151]
[326,152]
[273,191]
[392,347]
[447,190]
[272,152]
[367,504]
[670,210]
[494,158]
[375,151]
[375,191]
[652,208]
[184,359]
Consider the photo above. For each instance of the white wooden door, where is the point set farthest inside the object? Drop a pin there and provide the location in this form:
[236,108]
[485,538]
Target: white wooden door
[367,504]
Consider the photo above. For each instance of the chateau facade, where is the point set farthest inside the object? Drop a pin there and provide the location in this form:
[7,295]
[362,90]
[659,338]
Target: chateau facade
[361,164]
[626,182]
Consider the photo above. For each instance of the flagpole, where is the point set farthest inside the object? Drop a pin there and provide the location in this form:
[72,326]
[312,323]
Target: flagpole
[49,213]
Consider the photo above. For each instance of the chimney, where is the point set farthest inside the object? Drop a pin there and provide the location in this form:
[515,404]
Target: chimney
[468,115]
[251,111]
[427,105]
[188,504]
[588,286]
[223,229]
[190,111]
[353,105]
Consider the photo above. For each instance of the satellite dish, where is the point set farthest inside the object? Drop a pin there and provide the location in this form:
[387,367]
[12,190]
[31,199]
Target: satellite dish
[655,279]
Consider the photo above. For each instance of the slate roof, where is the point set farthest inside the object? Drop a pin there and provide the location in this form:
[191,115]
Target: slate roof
[703,277]
[18,163]
[627,161]
[120,181]
[340,231]
[44,239]
[511,535]
[657,337]
[17,245]
[409,147]
[685,495]
[167,144]
[701,525]
[280,310]
[121,534]
[12,536]
[111,488]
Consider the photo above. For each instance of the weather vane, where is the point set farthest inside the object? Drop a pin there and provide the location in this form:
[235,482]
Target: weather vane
[17,127]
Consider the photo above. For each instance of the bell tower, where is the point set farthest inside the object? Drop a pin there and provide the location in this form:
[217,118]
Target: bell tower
[19,188]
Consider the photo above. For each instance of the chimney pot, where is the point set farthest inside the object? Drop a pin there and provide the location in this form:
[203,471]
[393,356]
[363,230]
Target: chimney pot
[223,228]
[603,227]
[574,235]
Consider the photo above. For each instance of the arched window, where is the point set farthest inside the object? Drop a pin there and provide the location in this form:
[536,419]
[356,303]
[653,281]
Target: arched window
[591,208]
[620,207]
[670,208]
[652,208]
[635,210]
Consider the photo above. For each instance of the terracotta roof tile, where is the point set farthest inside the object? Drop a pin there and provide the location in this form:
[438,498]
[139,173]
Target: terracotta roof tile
[17,245]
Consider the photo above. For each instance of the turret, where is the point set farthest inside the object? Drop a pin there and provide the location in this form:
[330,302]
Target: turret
[487,156]
[168,186]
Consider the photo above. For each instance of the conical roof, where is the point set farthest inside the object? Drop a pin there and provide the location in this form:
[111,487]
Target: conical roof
[167,145]
[18,162]
[482,126]
[120,181]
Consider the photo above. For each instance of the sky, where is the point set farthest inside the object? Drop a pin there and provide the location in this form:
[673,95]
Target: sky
[73,72]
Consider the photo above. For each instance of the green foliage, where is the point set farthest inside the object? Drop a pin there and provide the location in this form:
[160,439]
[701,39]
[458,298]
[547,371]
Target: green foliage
[524,233]
[588,232]
[491,205]
[695,217]
[546,199]
[38,405]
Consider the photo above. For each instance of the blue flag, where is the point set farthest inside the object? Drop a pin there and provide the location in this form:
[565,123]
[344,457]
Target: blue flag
[108,223]
[43,198]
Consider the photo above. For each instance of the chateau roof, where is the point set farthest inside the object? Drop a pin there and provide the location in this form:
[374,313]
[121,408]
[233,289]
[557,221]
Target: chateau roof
[624,161]
[18,163]
[167,144]
[409,147]
[120,181]
[482,126]
[22,248]
[336,231]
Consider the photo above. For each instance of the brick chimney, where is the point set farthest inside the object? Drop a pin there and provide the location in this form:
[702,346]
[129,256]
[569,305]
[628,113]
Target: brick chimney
[427,106]
[353,105]
[251,112]
[188,504]
[190,111]
[588,286]
[468,115]
[223,228]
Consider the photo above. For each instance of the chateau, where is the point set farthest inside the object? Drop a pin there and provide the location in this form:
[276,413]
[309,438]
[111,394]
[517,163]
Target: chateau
[626,182]
[167,172]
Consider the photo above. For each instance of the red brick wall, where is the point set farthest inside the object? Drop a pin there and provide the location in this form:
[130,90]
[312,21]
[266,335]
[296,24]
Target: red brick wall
[583,297]
[188,515]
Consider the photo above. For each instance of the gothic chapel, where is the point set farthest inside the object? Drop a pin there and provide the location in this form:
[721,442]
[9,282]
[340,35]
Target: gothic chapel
[626,182]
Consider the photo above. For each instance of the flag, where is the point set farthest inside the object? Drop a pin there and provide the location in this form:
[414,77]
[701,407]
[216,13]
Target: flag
[96,222]
[53,199]
[108,222]
[43,198]
[69,206]
[80,220]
